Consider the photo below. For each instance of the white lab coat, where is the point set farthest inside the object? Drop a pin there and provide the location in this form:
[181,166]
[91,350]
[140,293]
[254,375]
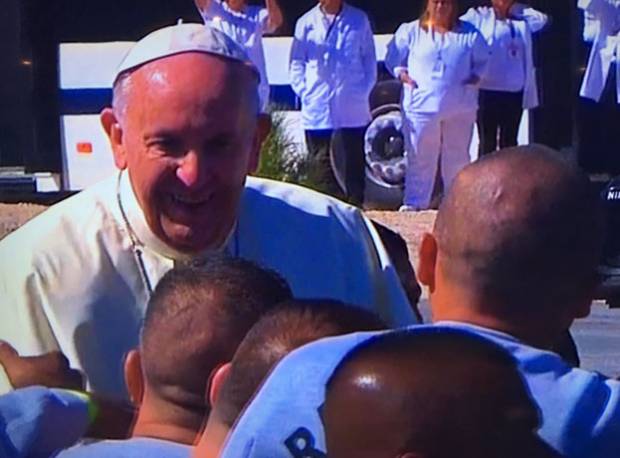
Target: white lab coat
[528,20]
[439,114]
[246,28]
[333,73]
[70,279]
[605,48]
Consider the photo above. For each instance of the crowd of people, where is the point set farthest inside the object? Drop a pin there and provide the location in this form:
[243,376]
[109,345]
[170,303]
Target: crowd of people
[184,308]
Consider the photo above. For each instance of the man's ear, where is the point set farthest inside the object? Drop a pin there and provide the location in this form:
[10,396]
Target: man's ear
[428,261]
[113,129]
[134,379]
[216,381]
[263,127]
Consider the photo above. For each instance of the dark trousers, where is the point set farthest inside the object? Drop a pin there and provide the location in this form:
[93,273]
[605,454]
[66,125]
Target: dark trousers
[499,113]
[350,145]
[598,127]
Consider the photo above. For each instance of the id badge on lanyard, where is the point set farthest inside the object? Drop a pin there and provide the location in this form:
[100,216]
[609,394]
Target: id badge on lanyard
[439,67]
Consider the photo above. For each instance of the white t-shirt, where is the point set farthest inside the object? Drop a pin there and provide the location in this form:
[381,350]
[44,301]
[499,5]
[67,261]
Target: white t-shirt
[506,67]
[246,28]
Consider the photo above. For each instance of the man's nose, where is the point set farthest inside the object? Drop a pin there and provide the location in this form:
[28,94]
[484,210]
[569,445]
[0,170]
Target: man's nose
[191,170]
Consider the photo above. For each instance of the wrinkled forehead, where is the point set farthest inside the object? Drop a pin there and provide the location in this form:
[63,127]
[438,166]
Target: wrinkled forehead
[193,79]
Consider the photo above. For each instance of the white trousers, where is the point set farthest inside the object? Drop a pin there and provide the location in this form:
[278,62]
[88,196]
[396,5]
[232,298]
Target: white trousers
[433,141]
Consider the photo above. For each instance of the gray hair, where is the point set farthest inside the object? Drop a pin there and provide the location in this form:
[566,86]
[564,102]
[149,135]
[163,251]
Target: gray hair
[120,94]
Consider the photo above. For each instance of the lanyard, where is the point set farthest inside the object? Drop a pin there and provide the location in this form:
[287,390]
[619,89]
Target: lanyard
[513,32]
[333,23]
[438,48]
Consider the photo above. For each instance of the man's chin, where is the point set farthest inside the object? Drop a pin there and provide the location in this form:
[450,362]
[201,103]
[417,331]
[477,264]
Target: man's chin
[193,240]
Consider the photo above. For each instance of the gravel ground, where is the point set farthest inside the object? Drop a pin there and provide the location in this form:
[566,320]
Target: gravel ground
[410,225]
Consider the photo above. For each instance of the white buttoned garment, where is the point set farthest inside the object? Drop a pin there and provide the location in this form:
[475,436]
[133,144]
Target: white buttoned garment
[246,28]
[72,281]
[511,64]
[333,68]
[439,112]
[605,49]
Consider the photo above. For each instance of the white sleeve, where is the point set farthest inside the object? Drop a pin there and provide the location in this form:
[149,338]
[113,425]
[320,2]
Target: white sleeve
[297,60]
[598,7]
[472,16]
[535,19]
[5,383]
[480,55]
[398,50]
[214,8]
[369,55]
[263,20]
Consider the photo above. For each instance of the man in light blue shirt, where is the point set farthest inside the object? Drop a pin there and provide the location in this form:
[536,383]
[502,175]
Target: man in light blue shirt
[195,320]
[513,258]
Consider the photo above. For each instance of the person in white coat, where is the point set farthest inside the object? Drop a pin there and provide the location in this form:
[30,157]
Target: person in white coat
[333,68]
[509,84]
[185,131]
[440,61]
[600,91]
[245,24]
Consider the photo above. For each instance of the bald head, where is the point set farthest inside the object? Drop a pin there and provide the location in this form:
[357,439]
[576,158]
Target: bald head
[520,228]
[405,392]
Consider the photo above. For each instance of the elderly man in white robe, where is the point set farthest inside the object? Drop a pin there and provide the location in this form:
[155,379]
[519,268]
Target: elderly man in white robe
[185,130]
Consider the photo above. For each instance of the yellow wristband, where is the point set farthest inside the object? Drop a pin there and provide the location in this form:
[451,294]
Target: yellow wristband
[91,404]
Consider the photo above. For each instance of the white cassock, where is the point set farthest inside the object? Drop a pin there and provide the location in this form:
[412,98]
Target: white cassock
[605,49]
[579,410]
[439,113]
[246,28]
[71,280]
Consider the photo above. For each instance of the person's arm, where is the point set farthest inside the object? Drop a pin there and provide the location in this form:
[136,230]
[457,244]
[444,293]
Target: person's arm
[202,5]
[480,58]
[398,54]
[472,16]
[536,20]
[274,16]
[50,369]
[298,59]
[369,55]
[599,8]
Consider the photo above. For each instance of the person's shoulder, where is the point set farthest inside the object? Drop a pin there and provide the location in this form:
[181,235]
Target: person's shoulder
[292,199]
[75,218]
[309,15]
[136,447]
[467,28]
[355,13]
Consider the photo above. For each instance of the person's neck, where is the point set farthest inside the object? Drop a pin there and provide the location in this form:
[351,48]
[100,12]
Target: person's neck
[440,26]
[212,439]
[502,13]
[170,423]
[237,7]
[464,308]
[332,8]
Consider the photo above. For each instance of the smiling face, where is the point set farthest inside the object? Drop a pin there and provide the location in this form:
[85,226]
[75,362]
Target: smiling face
[188,139]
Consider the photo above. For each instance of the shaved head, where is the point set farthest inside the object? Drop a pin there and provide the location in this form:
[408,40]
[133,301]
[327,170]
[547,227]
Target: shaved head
[521,228]
[195,320]
[406,392]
